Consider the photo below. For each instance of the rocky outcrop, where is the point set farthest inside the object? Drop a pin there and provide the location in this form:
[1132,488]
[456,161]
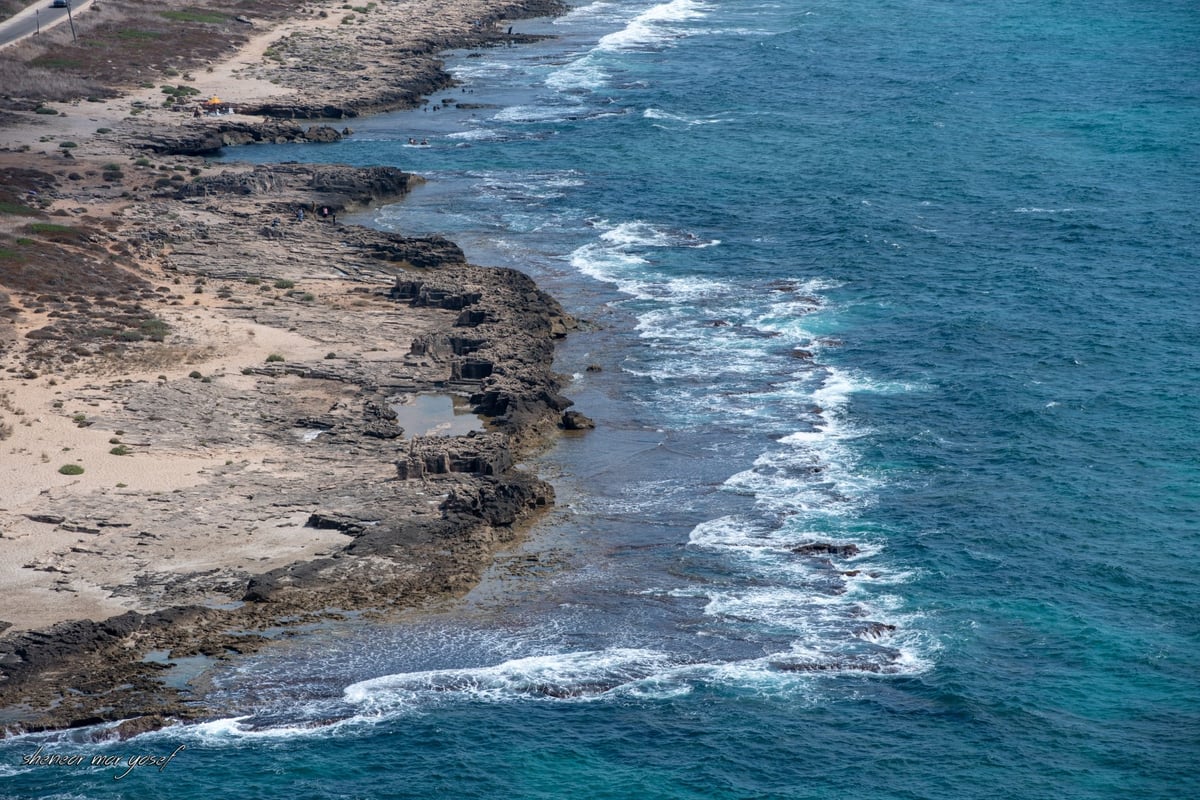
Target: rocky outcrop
[334,186]
[325,422]
[575,421]
[345,73]
[184,141]
[476,454]
[202,137]
[402,315]
[826,549]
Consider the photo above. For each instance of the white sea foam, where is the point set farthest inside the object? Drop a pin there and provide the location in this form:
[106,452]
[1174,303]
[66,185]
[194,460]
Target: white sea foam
[617,257]
[600,675]
[317,725]
[477,135]
[606,264]
[659,114]
[640,233]
[583,74]
[653,27]
[482,68]
[538,113]
[578,675]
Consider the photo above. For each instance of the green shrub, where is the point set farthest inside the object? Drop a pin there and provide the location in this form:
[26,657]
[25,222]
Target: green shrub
[274,357]
[192,15]
[284,283]
[10,207]
[71,469]
[135,35]
[120,450]
[154,329]
[49,228]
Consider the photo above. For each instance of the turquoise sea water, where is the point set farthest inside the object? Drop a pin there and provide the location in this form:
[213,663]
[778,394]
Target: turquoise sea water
[916,277]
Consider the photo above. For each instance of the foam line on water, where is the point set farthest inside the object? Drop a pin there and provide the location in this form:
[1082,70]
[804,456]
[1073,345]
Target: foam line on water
[653,27]
[560,676]
[667,116]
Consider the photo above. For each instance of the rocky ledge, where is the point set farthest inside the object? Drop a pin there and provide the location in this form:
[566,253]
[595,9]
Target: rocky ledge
[293,343]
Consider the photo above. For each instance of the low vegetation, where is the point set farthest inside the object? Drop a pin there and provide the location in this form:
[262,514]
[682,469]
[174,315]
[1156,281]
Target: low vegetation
[127,44]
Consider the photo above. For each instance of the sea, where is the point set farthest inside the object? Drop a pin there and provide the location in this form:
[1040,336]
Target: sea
[891,334]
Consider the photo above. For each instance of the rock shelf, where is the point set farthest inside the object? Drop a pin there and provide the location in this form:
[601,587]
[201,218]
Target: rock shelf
[219,372]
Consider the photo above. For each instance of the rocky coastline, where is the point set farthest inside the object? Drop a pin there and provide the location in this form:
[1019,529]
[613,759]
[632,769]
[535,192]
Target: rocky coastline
[226,365]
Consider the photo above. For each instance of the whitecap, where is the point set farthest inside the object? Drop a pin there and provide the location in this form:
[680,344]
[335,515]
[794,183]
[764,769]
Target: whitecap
[652,27]
[577,675]
[583,74]
[477,135]
[538,113]
[659,114]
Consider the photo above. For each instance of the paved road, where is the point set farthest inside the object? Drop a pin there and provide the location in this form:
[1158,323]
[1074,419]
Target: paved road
[26,22]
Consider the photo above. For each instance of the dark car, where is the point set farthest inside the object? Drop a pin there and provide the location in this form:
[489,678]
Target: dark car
[60,4]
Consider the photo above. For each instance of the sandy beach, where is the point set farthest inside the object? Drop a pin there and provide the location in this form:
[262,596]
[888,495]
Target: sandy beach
[199,380]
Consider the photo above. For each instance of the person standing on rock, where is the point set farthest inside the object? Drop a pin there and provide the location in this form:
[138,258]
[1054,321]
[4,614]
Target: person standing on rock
[299,215]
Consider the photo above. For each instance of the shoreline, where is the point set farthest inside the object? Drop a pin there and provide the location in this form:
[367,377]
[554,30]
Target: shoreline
[226,376]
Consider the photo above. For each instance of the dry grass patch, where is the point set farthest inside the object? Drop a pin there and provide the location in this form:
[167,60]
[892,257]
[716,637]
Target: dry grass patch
[48,80]
[130,44]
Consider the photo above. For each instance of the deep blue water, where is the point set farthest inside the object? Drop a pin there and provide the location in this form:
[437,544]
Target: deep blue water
[917,277]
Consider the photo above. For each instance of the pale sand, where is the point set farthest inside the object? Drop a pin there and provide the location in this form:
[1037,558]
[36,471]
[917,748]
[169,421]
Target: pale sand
[50,574]
[45,438]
